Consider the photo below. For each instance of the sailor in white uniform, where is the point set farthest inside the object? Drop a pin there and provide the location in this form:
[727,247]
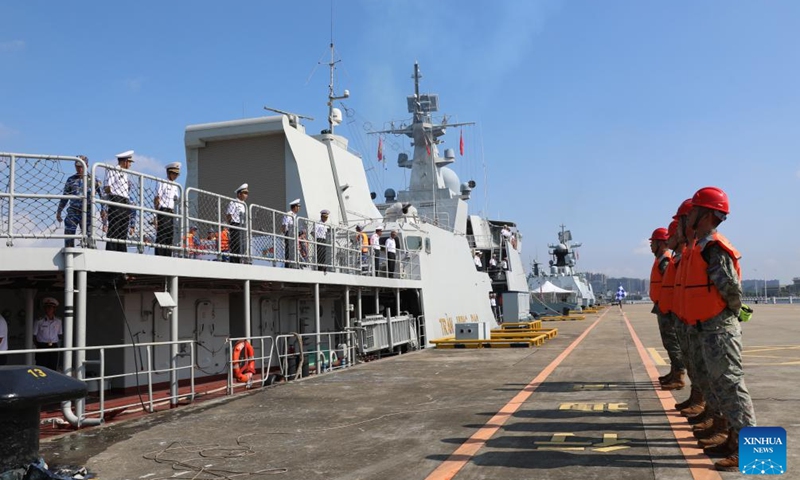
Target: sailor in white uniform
[375,243]
[289,228]
[236,218]
[165,199]
[391,254]
[117,188]
[321,237]
[47,332]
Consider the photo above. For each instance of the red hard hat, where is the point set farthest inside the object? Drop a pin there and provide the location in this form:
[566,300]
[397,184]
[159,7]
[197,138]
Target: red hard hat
[683,210]
[660,234]
[713,198]
[673,228]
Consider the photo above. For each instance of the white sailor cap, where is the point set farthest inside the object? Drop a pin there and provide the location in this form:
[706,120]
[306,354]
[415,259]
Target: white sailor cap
[50,301]
[125,155]
[174,166]
[324,212]
[294,202]
[379,227]
[242,187]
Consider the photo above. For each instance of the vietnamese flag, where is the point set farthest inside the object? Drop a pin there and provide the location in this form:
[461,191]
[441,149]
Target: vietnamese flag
[380,149]
[461,143]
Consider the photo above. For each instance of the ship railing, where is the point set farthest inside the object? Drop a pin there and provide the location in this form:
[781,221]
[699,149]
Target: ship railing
[337,350]
[215,237]
[34,200]
[133,219]
[96,367]
[264,360]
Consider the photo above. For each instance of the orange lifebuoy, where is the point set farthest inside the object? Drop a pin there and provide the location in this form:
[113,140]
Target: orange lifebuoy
[244,368]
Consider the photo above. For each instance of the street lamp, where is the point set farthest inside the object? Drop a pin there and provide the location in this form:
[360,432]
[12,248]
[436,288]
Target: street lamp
[765,285]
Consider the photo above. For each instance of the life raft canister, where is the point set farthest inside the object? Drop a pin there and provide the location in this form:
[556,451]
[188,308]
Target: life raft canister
[243,364]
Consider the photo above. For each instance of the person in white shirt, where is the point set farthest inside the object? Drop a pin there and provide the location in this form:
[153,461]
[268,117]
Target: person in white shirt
[120,218]
[235,214]
[504,264]
[375,243]
[391,254]
[288,228]
[47,332]
[478,262]
[493,303]
[164,201]
[493,262]
[3,340]
[321,237]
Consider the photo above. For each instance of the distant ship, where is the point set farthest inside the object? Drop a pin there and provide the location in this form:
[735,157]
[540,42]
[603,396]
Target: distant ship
[562,288]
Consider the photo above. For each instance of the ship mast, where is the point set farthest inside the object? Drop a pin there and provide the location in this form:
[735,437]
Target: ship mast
[334,116]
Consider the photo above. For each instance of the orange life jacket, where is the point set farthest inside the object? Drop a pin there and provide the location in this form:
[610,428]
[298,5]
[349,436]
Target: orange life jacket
[702,300]
[656,277]
[224,242]
[364,242]
[190,242]
[680,281]
[665,302]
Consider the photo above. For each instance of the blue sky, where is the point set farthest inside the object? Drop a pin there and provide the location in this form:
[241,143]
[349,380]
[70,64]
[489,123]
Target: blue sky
[601,115]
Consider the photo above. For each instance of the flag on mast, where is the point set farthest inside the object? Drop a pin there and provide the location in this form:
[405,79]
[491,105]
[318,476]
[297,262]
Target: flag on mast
[461,143]
[380,149]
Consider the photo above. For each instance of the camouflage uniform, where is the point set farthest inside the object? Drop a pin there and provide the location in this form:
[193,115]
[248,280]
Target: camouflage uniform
[666,325]
[720,340]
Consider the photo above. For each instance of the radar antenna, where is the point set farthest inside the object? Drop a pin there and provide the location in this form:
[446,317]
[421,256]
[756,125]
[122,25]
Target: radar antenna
[293,117]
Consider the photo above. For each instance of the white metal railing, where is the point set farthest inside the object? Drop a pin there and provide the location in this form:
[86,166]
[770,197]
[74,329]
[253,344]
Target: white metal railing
[326,359]
[196,227]
[95,372]
[263,356]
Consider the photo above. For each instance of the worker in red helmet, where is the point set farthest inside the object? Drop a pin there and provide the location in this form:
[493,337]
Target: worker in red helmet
[712,303]
[658,245]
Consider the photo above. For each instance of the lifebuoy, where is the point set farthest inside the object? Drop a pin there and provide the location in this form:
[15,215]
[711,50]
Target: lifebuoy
[244,367]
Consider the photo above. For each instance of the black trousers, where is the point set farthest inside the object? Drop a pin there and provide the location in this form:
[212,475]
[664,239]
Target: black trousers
[236,243]
[322,255]
[47,359]
[164,232]
[391,263]
[289,248]
[119,219]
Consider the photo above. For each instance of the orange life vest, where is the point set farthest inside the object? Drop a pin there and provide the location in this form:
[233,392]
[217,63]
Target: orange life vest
[702,300]
[224,242]
[364,242]
[680,281]
[656,277]
[665,302]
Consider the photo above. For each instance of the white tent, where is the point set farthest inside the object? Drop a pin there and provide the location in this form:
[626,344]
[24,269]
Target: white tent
[548,287]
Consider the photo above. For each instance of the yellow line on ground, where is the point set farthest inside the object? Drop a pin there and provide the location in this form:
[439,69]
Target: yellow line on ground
[656,357]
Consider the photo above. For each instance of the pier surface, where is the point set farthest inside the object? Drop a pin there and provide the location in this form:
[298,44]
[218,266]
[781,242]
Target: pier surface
[583,405]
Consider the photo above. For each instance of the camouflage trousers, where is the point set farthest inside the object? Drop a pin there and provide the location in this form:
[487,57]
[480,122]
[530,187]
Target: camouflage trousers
[720,340]
[669,338]
[696,365]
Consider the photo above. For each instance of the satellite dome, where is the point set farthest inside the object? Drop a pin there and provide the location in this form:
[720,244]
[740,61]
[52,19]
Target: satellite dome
[451,180]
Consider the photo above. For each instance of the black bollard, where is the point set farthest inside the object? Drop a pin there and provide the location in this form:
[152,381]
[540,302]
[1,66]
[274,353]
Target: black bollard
[23,391]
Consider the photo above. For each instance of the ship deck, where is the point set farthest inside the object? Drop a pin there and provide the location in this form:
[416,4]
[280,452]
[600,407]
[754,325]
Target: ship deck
[583,405]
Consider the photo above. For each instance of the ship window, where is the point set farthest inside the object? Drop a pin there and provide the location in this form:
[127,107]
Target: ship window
[427,245]
[414,243]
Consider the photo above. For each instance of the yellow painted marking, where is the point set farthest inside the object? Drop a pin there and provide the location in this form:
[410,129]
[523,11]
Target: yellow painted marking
[657,358]
[594,407]
[610,444]
[559,442]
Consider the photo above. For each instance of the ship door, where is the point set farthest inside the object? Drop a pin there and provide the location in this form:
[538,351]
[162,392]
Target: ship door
[205,334]
[268,310]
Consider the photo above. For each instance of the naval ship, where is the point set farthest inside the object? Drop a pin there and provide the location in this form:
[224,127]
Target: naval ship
[293,298]
[561,288]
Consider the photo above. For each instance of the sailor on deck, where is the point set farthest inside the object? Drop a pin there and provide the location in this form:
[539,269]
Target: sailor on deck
[321,237]
[391,254]
[375,243]
[117,189]
[289,225]
[477,260]
[164,201]
[47,332]
[235,214]
[75,207]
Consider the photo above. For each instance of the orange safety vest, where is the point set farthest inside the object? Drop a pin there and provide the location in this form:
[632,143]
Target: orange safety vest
[702,300]
[656,277]
[364,242]
[680,281]
[665,302]
[190,243]
[224,242]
